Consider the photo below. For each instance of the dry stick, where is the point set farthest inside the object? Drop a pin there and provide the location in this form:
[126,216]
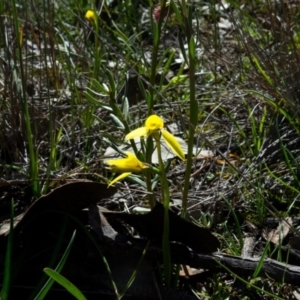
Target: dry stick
[244,267]
[180,254]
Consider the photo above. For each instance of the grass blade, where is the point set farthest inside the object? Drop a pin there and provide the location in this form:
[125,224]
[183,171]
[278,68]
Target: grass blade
[8,257]
[43,292]
[70,287]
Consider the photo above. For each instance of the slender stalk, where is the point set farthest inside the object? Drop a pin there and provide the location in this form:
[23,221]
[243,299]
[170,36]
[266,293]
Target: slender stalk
[98,51]
[8,257]
[156,28]
[193,106]
[149,151]
[166,201]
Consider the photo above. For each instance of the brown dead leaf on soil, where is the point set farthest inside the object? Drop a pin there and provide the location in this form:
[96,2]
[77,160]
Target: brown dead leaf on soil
[278,234]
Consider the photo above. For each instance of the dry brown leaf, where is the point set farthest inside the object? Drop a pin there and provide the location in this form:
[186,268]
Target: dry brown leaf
[151,225]
[278,234]
[69,198]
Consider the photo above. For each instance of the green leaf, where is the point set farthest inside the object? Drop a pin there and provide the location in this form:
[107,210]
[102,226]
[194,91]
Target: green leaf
[43,292]
[262,70]
[177,13]
[181,44]
[192,47]
[117,121]
[70,287]
[125,107]
[142,87]
[102,88]
[137,180]
[8,257]
[111,83]
[261,261]
[178,80]
[94,101]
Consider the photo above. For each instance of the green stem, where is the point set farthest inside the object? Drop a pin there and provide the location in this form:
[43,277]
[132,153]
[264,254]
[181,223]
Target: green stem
[193,109]
[156,28]
[149,151]
[8,258]
[166,201]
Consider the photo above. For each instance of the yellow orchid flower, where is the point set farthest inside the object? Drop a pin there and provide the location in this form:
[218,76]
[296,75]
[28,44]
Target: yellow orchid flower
[91,17]
[125,166]
[153,125]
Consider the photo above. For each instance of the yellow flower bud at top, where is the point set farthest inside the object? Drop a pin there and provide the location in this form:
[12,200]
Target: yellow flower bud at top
[91,17]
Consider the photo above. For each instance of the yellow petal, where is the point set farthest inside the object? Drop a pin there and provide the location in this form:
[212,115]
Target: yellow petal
[154,123]
[142,131]
[120,177]
[173,144]
[128,164]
